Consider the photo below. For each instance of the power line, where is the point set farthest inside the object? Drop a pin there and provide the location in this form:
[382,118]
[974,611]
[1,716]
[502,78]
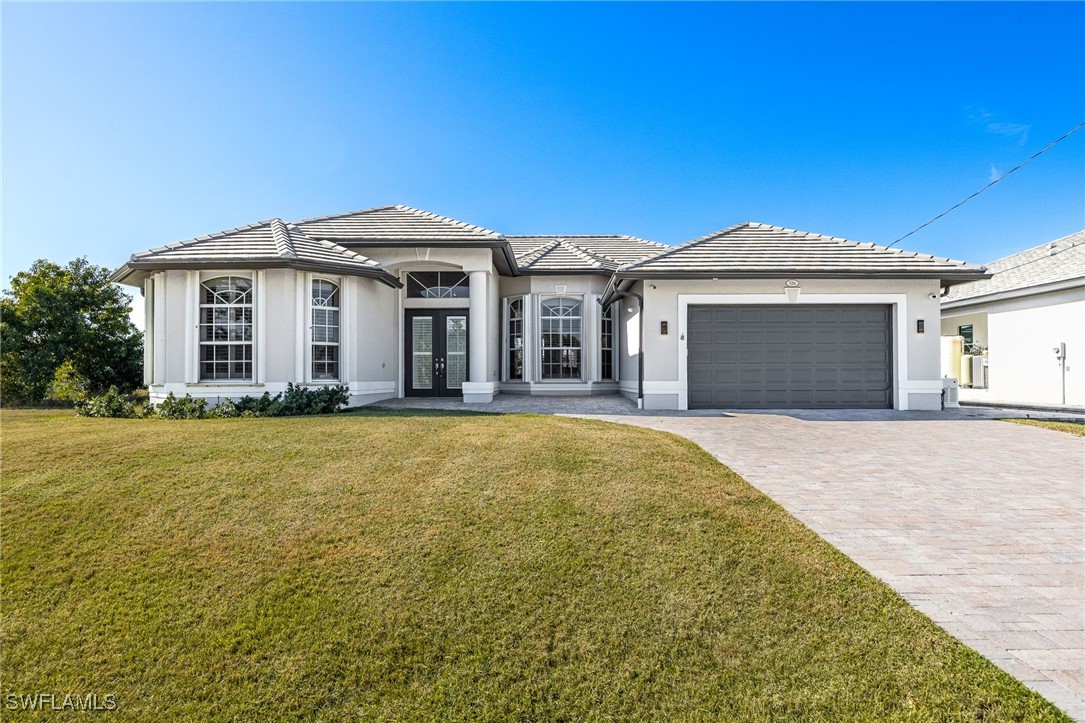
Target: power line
[1024,163]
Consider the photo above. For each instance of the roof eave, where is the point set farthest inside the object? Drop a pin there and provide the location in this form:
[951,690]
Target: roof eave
[133,266]
[949,277]
[1018,293]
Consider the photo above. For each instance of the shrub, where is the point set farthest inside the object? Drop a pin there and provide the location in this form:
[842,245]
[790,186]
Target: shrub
[299,401]
[186,407]
[68,385]
[295,402]
[110,404]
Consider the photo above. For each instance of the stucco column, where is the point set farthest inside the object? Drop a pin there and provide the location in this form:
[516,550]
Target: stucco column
[478,388]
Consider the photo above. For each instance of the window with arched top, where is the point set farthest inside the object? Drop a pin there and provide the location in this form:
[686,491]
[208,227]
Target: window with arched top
[226,329]
[561,338]
[324,325]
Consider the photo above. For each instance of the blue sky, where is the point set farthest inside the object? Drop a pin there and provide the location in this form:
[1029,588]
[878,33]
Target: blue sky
[127,126]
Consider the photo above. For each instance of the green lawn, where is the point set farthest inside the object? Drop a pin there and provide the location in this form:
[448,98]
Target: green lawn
[1072,427]
[438,567]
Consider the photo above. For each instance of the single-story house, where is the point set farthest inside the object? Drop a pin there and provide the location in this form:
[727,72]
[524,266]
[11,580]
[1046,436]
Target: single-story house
[393,301]
[1023,329]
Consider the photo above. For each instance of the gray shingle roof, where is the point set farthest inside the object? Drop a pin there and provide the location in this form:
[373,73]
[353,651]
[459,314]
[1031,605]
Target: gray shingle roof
[272,243]
[598,253]
[1057,261]
[394,224]
[757,249]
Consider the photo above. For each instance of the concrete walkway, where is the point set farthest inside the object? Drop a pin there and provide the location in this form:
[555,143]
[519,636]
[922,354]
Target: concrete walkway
[979,524]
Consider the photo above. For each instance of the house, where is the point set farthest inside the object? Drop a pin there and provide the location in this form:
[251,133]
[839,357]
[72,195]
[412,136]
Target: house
[1025,327]
[393,301]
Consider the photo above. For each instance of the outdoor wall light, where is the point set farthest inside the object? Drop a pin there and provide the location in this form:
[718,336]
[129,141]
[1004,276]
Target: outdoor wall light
[663,328]
[919,326]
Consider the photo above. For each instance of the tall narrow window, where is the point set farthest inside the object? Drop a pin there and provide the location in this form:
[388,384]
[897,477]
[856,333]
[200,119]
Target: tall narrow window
[606,343]
[560,324]
[516,339]
[226,329]
[325,330]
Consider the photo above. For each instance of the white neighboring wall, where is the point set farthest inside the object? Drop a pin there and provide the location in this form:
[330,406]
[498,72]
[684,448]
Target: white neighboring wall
[1021,335]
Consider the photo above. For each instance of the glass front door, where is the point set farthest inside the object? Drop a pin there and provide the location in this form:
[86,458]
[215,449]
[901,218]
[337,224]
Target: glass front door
[436,352]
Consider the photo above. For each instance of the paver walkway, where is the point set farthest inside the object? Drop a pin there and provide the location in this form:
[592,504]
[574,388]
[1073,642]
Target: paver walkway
[979,524]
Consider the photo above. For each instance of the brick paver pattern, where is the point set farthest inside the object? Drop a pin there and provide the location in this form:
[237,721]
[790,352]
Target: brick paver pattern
[977,523]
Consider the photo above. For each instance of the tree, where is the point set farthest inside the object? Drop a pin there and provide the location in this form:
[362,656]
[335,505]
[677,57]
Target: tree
[55,314]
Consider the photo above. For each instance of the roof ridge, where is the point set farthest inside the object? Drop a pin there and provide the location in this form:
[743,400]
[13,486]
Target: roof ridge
[848,242]
[538,252]
[1040,246]
[343,215]
[686,245]
[447,219]
[599,260]
[206,237]
[627,236]
[284,245]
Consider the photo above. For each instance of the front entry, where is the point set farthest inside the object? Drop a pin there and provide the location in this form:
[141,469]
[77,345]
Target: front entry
[436,352]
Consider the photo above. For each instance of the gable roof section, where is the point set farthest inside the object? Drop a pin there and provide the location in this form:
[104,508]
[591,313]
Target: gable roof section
[1059,262]
[757,249]
[395,224]
[600,254]
[267,244]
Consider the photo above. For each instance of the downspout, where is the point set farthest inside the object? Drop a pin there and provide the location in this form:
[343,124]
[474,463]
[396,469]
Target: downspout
[640,342]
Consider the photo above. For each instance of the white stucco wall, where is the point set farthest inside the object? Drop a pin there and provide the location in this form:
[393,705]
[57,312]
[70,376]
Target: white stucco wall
[281,349]
[916,375]
[1021,335]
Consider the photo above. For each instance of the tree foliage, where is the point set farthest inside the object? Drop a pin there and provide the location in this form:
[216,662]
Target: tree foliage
[56,314]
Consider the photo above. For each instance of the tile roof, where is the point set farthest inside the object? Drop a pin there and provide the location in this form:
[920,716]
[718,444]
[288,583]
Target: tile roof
[1053,262]
[599,253]
[394,224]
[752,249]
[266,244]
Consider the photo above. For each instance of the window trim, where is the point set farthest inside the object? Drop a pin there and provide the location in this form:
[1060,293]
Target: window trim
[506,339]
[198,305]
[310,343]
[538,336]
[614,316]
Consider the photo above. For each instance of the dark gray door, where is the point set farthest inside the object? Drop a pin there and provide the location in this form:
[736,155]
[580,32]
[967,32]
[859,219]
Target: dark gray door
[790,357]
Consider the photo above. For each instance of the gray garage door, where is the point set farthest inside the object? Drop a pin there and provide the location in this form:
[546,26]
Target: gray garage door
[789,357]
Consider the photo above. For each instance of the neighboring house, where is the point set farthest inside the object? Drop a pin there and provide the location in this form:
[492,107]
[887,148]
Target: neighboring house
[393,302]
[1030,318]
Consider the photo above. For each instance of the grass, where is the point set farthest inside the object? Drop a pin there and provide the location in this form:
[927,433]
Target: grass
[438,567]
[1077,428]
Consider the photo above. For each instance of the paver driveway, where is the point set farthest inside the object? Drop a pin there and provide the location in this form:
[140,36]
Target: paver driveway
[978,523]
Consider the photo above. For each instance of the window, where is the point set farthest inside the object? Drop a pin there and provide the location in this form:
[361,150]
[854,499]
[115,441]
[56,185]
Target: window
[437,285]
[515,350]
[226,329]
[325,329]
[606,343]
[560,323]
[965,330]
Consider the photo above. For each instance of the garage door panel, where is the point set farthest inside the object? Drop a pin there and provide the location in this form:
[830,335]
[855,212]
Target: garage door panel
[789,356]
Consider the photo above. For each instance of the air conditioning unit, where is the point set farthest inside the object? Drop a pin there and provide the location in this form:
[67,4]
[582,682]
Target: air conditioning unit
[979,371]
[950,393]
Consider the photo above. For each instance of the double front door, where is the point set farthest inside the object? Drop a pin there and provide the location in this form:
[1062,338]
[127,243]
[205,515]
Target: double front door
[436,352]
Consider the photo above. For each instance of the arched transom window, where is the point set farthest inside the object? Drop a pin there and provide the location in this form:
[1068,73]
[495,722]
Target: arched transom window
[325,329]
[560,324]
[226,329]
